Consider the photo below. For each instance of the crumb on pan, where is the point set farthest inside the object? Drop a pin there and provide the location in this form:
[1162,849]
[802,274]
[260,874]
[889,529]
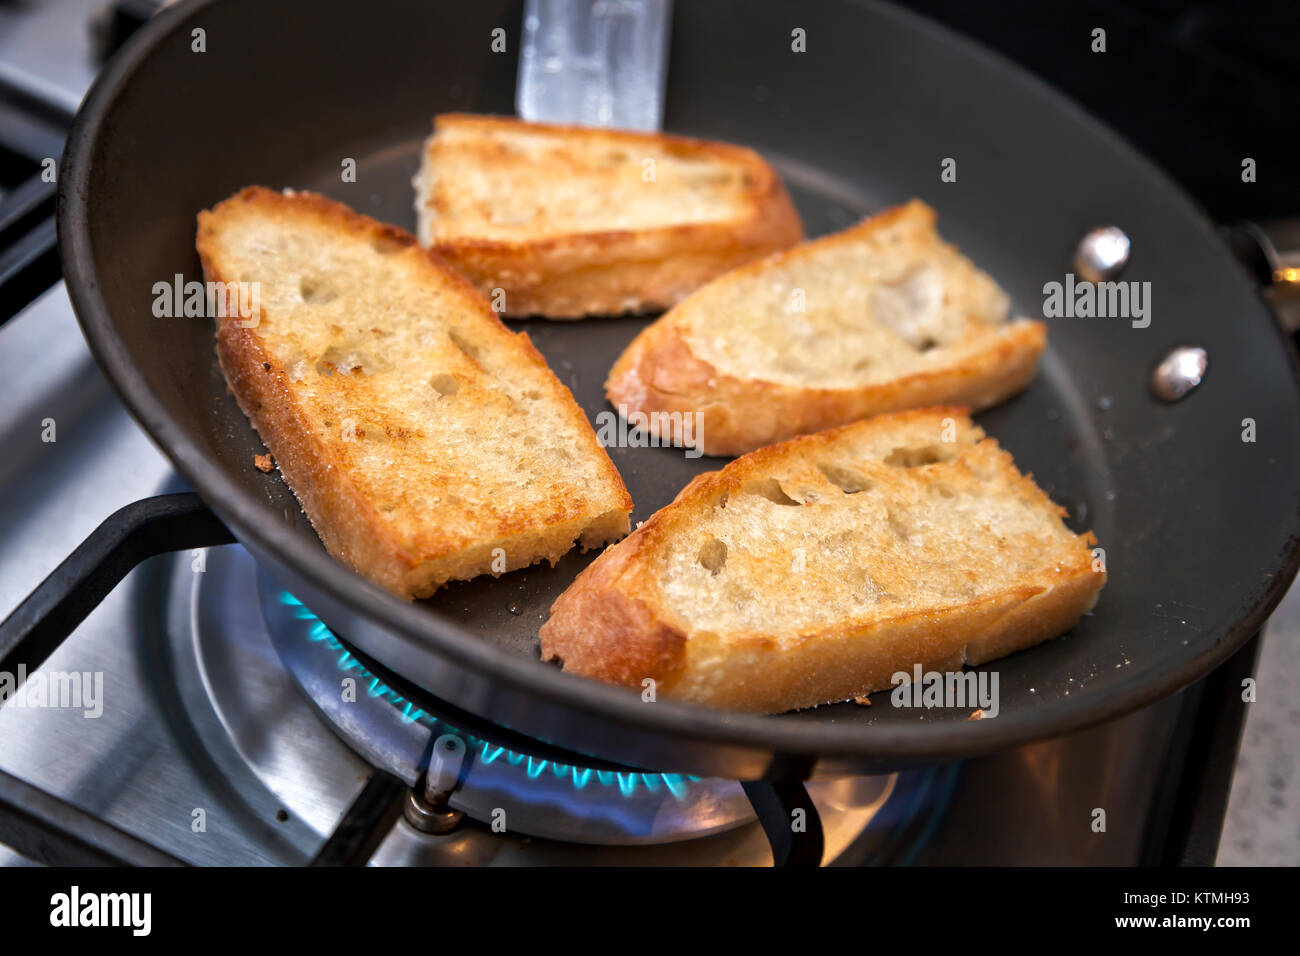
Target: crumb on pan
[864,700]
[263,462]
[977,714]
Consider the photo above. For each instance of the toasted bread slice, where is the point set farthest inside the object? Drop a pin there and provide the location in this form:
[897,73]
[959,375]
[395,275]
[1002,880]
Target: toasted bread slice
[568,221]
[813,571]
[881,317]
[425,441]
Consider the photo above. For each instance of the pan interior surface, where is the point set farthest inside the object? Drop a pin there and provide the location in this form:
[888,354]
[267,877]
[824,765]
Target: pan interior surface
[1050,429]
[1198,525]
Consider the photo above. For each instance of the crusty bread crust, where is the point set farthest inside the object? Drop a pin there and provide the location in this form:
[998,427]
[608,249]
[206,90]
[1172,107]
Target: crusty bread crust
[660,372]
[615,624]
[610,272]
[415,560]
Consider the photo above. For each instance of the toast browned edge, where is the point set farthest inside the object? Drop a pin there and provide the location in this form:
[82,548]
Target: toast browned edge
[658,372]
[608,626]
[348,524]
[612,272]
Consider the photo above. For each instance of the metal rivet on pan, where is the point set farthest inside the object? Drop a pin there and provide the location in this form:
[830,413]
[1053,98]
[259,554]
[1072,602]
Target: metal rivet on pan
[1179,372]
[1102,254]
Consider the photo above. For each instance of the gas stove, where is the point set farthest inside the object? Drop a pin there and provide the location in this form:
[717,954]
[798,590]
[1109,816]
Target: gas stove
[239,730]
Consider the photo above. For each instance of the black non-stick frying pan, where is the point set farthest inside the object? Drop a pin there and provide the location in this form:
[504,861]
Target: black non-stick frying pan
[1199,526]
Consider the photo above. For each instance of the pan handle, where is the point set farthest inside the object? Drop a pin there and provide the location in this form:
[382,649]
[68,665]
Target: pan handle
[1270,251]
[594,62]
[143,529]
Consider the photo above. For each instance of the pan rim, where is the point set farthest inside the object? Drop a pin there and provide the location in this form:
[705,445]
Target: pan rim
[421,629]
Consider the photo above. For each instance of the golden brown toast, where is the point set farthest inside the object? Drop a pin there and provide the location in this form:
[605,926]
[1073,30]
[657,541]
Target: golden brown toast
[425,441]
[880,317]
[812,571]
[565,221]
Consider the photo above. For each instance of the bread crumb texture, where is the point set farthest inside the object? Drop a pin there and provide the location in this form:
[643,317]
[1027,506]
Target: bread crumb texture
[881,317]
[505,179]
[812,571]
[878,302]
[425,441]
[566,221]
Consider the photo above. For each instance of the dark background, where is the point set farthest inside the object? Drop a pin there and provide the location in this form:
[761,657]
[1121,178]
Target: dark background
[1196,86]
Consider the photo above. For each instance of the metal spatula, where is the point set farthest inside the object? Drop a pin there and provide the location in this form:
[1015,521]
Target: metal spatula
[594,62]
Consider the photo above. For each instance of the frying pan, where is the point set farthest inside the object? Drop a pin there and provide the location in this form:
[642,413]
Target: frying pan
[1199,526]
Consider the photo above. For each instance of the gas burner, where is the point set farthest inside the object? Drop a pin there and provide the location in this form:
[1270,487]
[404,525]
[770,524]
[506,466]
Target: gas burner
[557,797]
[300,706]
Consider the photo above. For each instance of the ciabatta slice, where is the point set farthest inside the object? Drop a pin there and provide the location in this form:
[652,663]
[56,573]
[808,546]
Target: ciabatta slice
[813,571]
[881,317]
[565,221]
[425,441]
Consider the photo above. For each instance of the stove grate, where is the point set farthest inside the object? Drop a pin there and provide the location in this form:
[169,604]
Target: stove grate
[51,830]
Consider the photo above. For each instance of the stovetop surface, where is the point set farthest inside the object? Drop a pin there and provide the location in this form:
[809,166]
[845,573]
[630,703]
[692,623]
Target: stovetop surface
[160,752]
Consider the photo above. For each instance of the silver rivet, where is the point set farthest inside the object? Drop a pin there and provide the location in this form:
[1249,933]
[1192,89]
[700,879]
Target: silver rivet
[1179,372]
[1102,254]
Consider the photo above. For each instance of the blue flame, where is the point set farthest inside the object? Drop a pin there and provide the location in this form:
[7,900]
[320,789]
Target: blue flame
[627,783]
